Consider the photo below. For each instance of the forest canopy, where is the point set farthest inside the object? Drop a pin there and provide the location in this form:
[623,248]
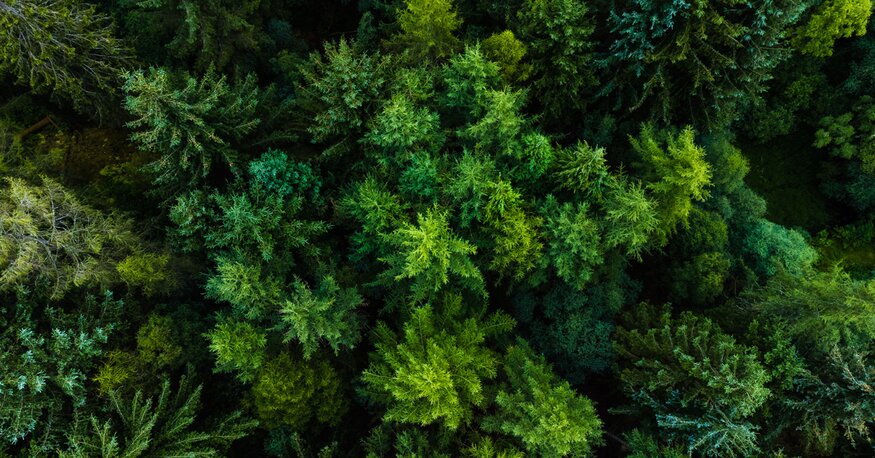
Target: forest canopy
[437,228]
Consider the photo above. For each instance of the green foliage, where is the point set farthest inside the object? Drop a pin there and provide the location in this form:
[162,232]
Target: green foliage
[156,342]
[677,174]
[772,248]
[212,32]
[546,415]
[700,383]
[239,348]
[188,124]
[427,254]
[154,427]
[328,313]
[827,317]
[507,51]
[847,135]
[831,20]
[65,48]
[427,29]
[557,36]
[341,91]
[291,392]
[48,355]
[468,78]
[434,372]
[631,218]
[147,271]
[52,242]
[583,170]
[687,55]
[575,241]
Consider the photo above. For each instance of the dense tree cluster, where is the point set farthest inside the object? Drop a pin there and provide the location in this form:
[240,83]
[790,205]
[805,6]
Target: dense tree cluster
[437,228]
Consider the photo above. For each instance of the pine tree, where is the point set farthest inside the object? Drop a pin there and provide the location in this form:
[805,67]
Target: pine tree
[48,356]
[702,386]
[52,242]
[326,314]
[427,29]
[340,92]
[676,174]
[239,348]
[434,372]
[427,254]
[155,427]
[830,21]
[294,393]
[211,32]
[575,247]
[63,47]
[708,55]
[557,37]
[189,125]
[542,412]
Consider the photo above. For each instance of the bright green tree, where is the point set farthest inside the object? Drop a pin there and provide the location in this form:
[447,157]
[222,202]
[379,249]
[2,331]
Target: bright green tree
[507,51]
[427,254]
[190,125]
[434,372]
[575,248]
[676,173]
[830,21]
[631,218]
[427,29]
[542,412]
[239,348]
[52,242]
[327,313]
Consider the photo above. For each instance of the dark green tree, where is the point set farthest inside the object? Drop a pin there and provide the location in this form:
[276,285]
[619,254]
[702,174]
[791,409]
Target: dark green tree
[190,126]
[154,427]
[702,386]
[557,37]
[65,48]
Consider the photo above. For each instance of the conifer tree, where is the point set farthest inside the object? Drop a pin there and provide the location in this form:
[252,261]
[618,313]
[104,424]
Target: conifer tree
[63,47]
[189,126]
[434,372]
[545,414]
[52,242]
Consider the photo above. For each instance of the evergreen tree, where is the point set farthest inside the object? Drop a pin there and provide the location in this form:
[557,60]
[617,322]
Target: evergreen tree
[427,29]
[188,125]
[557,37]
[52,242]
[546,415]
[702,386]
[434,372]
[676,174]
[830,21]
[154,427]
[425,255]
[63,47]
[710,55]
[207,33]
[48,356]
